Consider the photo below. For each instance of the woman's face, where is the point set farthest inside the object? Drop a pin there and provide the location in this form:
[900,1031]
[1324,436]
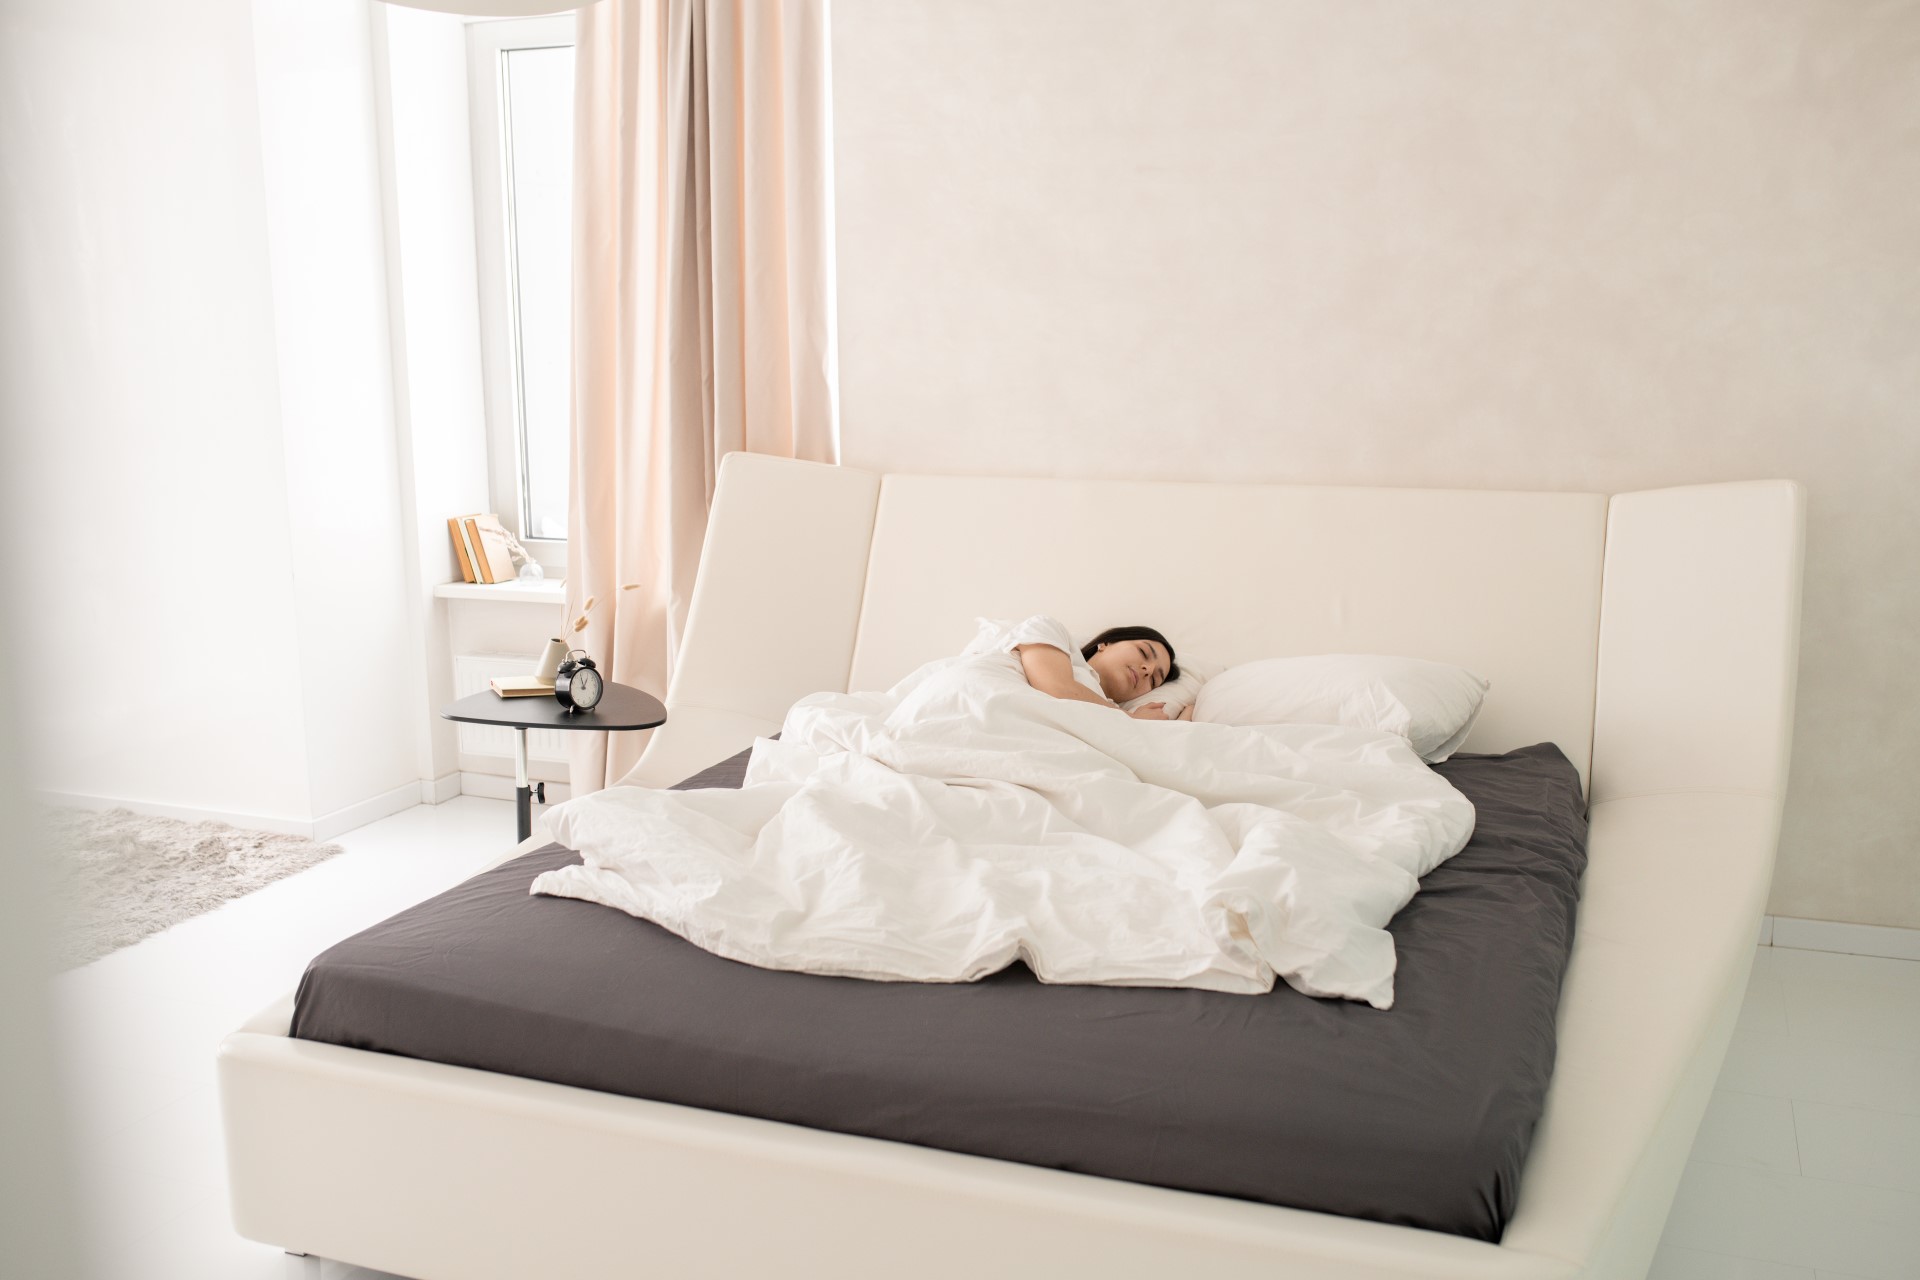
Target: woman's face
[1129,668]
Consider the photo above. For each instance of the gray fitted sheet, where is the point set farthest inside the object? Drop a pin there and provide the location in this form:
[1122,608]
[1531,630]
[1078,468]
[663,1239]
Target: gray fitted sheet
[1419,1115]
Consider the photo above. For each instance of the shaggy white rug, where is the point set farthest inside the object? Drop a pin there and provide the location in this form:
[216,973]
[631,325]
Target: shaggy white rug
[124,876]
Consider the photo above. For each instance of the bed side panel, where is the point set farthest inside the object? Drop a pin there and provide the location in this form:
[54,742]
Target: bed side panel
[1674,887]
[774,607]
[423,1169]
[1699,640]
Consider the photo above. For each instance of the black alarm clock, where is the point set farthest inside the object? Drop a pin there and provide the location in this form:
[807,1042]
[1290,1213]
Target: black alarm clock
[578,685]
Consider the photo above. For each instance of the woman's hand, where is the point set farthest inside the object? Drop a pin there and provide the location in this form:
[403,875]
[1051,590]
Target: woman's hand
[1151,711]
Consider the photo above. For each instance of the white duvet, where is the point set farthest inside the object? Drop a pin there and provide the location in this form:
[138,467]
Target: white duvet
[935,832]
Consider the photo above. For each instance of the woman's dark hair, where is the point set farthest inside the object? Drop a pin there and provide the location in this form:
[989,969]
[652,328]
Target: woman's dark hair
[1113,635]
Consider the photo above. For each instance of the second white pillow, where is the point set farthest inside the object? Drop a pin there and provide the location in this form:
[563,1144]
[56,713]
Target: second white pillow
[1430,704]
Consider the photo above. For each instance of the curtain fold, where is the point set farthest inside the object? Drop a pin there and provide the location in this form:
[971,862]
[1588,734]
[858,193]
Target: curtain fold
[702,304]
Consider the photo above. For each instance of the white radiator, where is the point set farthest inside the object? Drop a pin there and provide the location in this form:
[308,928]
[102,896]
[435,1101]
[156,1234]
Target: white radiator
[471,672]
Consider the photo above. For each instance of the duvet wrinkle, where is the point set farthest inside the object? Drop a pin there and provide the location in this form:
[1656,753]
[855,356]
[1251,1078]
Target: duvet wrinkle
[962,820]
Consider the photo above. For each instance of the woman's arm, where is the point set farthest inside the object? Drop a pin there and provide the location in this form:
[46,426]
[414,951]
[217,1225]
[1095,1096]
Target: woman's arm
[1051,671]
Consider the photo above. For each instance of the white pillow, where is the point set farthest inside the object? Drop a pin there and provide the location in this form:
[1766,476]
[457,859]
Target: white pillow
[1177,694]
[1430,704]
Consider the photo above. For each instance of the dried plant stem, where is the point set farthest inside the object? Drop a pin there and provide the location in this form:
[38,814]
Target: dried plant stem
[579,624]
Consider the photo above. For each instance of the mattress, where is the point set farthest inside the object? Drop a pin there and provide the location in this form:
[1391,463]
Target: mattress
[1420,1115]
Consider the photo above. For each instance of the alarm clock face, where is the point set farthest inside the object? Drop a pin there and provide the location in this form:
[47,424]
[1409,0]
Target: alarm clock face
[587,688]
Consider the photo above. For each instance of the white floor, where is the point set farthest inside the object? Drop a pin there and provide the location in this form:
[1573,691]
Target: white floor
[1807,1167]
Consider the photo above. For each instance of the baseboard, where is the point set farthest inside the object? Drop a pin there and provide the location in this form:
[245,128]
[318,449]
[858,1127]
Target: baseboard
[440,790]
[151,809]
[372,809]
[322,828]
[1851,939]
[493,786]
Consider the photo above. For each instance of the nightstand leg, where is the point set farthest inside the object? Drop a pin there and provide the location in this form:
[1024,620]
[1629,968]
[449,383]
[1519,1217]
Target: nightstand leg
[523,793]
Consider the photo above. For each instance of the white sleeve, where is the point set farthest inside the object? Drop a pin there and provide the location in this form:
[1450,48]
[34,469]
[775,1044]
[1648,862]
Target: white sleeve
[1040,629]
[1001,636]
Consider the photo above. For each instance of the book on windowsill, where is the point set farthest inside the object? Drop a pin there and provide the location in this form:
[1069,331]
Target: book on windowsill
[520,686]
[494,560]
[461,550]
[480,545]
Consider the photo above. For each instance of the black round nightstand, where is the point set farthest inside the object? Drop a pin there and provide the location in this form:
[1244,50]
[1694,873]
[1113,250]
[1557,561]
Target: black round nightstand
[623,707]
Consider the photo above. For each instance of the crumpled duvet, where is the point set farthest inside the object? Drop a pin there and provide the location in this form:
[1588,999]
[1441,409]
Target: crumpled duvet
[962,819]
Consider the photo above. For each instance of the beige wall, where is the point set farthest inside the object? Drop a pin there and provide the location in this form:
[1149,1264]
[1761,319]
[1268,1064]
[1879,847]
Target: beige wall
[1554,246]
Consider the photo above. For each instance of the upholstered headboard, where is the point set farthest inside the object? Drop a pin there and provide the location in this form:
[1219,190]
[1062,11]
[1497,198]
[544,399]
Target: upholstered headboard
[1506,584]
[1594,618]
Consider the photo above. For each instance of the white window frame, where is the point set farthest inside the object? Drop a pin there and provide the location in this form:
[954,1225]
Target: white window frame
[487,41]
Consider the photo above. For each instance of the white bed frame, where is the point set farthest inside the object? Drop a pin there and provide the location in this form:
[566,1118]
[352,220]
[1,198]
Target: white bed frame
[1652,635]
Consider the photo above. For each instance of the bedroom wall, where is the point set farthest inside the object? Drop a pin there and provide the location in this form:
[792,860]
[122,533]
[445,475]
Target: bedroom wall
[143,394]
[197,376]
[1579,247]
[420,62]
[327,259]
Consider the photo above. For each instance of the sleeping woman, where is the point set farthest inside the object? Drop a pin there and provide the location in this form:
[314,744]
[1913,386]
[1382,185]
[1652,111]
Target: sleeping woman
[1116,666]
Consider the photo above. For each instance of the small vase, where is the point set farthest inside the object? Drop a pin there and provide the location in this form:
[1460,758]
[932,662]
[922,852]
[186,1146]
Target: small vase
[550,660]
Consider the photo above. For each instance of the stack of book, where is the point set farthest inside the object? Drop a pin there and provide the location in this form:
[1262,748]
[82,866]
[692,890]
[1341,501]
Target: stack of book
[480,544]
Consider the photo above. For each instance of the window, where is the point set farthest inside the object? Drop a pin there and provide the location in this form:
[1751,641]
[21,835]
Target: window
[520,78]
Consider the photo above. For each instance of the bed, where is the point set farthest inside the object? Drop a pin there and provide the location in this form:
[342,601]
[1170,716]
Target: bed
[1419,1115]
[1650,636]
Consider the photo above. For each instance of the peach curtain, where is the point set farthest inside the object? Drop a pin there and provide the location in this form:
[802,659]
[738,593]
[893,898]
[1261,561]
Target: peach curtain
[703,304]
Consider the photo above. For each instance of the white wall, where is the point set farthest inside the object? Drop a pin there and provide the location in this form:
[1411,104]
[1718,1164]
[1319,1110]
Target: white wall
[327,261]
[1554,246]
[196,377]
[433,291]
[143,392]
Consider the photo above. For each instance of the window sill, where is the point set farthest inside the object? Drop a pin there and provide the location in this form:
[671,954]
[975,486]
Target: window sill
[546,591]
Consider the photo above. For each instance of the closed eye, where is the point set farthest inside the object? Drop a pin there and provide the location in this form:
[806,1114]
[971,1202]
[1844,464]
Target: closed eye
[1147,653]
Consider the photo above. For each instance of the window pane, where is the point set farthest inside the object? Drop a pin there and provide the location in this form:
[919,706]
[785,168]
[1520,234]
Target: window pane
[538,85]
